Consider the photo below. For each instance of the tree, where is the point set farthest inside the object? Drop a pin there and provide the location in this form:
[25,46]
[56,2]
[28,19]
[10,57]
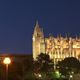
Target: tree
[69,64]
[43,63]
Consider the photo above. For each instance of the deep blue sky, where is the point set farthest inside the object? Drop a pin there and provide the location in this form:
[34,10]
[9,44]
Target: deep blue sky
[18,17]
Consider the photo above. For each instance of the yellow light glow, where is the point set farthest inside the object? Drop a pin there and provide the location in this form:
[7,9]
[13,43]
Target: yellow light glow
[7,60]
[39,75]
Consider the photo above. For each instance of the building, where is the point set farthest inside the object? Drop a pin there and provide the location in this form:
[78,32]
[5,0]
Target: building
[58,47]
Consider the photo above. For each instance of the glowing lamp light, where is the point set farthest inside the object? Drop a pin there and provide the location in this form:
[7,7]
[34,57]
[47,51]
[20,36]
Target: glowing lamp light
[7,60]
[57,74]
[39,75]
[71,76]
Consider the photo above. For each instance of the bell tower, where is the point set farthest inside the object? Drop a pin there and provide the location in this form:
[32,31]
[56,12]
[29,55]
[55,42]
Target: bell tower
[38,41]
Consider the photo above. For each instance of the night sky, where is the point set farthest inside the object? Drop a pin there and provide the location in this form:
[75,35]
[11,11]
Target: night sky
[18,18]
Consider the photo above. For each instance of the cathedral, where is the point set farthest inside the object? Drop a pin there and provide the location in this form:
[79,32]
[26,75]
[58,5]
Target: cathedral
[57,48]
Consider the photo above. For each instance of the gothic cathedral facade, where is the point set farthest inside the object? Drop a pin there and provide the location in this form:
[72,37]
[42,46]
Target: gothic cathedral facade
[57,48]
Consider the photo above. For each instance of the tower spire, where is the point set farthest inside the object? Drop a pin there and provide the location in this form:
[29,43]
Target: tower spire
[76,37]
[37,22]
[37,27]
[66,36]
[38,41]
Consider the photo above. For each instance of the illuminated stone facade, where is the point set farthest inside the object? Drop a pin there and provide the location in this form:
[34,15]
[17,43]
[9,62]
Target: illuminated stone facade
[58,47]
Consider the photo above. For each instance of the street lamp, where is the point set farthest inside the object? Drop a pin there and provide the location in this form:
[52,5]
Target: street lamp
[7,61]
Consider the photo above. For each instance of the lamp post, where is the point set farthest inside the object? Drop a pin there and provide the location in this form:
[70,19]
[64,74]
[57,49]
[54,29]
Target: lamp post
[7,61]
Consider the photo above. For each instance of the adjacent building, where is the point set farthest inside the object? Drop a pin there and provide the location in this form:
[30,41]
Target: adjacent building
[57,48]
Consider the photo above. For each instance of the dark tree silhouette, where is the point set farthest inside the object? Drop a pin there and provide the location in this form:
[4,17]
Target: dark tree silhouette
[43,63]
[69,64]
